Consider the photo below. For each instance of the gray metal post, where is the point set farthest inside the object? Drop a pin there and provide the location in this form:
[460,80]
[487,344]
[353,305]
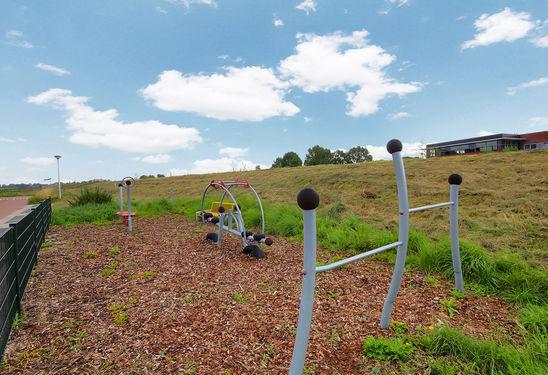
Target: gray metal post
[221,227]
[394,147]
[121,192]
[129,221]
[308,200]
[58,175]
[172,199]
[455,180]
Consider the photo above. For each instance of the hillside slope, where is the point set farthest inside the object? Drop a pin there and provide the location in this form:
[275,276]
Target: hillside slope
[503,202]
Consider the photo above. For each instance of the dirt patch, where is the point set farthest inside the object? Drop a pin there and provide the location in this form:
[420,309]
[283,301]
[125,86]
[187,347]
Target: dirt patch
[165,301]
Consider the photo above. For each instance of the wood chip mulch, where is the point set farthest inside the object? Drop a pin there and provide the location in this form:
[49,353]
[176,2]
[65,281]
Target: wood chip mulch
[175,303]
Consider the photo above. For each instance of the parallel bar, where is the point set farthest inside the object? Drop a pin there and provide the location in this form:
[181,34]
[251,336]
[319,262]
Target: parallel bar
[340,263]
[454,227]
[423,208]
[307,294]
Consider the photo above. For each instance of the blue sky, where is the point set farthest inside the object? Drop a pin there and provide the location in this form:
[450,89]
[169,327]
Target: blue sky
[122,87]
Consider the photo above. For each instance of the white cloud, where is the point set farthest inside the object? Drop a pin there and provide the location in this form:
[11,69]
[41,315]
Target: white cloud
[233,152]
[398,3]
[540,42]
[504,26]
[409,149]
[243,94]
[188,3]
[538,122]
[483,133]
[460,18]
[41,161]
[534,83]
[231,161]
[344,62]
[307,119]
[161,10]
[12,140]
[307,6]
[16,38]
[237,59]
[156,159]
[101,128]
[398,115]
[52,69]
[278,22]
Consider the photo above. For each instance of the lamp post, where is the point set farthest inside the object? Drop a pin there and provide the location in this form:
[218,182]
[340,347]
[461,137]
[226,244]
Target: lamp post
[58,175]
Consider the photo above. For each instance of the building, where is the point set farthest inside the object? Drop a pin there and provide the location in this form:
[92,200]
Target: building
[494,142]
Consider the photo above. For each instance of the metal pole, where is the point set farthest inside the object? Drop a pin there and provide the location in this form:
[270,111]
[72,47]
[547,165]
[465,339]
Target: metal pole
[221,226]
[129,221]
[172,199]
[308,200]
[455,180]
[394,147]
[121,191]
[58,175]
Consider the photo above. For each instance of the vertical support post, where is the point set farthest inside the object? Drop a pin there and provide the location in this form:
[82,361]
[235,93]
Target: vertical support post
[394,147]
[454,181]
[172,199]
[121,193]
[15,248]
[129,219]
[221,225]
[308,201]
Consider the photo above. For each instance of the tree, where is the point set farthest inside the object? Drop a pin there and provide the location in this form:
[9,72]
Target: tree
[291,159]
[159,175]
[277,163]
[339,157]
[318,155]
[257,167]
[358,154]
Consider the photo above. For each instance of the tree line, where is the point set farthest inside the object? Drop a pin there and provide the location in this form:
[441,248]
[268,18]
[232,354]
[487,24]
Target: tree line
[320,155]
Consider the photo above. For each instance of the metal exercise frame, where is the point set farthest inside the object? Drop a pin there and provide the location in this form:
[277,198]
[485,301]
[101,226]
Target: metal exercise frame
[309,200]
[227,219]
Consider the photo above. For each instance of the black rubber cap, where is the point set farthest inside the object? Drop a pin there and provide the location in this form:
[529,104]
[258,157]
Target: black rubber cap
[455,179]
[268,241]
[308,199]
[120,185]
[221,209]
[394,145]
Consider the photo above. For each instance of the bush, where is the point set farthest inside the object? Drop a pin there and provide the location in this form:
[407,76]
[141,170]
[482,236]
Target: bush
[88,213]
[391,349]
[90,196]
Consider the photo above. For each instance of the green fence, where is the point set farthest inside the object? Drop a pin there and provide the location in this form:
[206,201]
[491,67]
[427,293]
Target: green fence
[19,245]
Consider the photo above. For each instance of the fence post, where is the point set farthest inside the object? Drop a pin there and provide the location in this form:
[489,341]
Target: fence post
[454,181]
[394,147]
[34,235]
[13,227]
[308,201]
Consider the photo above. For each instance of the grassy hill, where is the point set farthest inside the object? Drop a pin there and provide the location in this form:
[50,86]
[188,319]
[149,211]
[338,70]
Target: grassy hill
[503,200]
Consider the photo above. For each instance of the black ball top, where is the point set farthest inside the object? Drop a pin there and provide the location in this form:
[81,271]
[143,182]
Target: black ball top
[455,179]
[308,199]
[128,182]
[394,145]
[221,209]
[120,184]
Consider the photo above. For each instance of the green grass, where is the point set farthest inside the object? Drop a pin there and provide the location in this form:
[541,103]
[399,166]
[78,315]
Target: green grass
[86,196]
[388,349]
[485,356]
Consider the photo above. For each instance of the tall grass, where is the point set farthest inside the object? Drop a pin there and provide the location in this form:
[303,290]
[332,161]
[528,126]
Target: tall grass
[90,196]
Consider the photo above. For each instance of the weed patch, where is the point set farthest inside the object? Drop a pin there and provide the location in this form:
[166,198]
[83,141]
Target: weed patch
[388,349]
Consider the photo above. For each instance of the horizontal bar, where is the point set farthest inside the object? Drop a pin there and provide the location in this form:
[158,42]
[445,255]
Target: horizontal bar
[340,263]
[423,208]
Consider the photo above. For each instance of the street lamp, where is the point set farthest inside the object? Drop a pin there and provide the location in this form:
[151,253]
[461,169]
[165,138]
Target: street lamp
[58,175]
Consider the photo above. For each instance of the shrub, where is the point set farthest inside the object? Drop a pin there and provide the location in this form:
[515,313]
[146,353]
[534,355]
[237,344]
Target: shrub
[90,196]
[388,349]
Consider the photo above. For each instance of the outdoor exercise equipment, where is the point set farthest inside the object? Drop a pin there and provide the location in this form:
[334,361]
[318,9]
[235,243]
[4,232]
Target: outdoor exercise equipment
[126,216]
[309,200]
[227,216]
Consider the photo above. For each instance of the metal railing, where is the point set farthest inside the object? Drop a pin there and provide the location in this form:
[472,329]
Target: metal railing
[19,245]
[309,200]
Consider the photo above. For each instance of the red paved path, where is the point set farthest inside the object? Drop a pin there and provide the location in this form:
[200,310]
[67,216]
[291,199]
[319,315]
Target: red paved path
[10,205]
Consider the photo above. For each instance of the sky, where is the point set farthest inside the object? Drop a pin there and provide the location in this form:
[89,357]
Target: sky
[124,88]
